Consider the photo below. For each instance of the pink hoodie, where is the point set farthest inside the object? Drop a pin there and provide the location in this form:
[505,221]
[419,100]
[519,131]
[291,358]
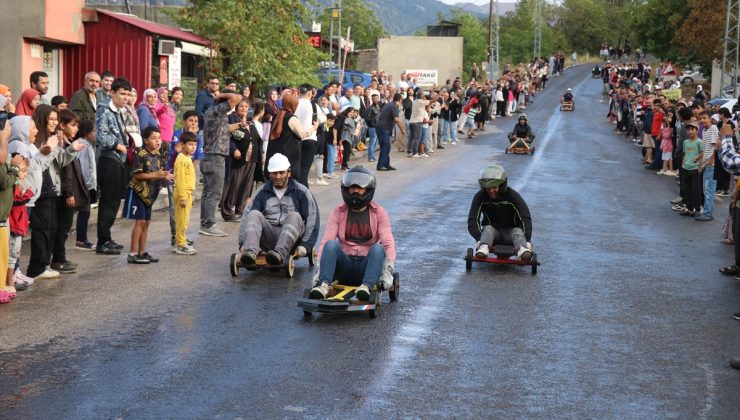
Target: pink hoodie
[379,223]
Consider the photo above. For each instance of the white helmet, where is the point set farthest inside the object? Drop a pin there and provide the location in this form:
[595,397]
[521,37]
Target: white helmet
[278,162]
[569,89]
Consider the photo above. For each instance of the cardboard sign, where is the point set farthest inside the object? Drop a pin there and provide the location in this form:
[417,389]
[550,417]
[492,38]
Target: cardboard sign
[674,94]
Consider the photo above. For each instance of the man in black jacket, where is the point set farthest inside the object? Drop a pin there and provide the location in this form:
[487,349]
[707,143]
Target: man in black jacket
[499,215]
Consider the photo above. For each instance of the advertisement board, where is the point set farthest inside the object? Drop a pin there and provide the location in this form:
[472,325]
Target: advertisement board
[423,77]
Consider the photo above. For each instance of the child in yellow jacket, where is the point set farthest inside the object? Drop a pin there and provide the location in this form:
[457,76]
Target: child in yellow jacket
[183,192]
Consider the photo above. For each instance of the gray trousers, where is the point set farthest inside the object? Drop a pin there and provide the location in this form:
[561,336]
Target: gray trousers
[261,235]
[503,236]
[213,169]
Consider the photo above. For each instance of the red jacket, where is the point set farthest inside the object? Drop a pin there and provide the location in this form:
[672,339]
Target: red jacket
[657,124]
[19,215]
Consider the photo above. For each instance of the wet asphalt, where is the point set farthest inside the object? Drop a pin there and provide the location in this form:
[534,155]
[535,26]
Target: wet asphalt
[627,317]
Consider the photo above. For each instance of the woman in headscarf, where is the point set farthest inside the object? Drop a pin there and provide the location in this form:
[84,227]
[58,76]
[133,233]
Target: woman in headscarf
[27,103]
[287,133]
[146,112]
[166,115]
[245,158]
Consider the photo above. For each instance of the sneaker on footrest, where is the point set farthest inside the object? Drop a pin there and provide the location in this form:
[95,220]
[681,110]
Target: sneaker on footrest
[320,292]
[482,251]
[362,293]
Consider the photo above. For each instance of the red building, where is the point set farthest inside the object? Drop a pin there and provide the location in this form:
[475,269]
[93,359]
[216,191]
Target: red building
[148,54]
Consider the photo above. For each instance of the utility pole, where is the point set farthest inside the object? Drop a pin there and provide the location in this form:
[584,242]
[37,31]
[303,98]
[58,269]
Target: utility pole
[731,53]
[493,51]
[537,29]
[339,38]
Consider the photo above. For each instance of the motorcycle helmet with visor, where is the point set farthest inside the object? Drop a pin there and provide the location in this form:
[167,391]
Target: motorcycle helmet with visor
[493,176]
[358,176]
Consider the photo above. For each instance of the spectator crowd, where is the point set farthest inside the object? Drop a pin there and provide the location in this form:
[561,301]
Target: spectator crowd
[113,148]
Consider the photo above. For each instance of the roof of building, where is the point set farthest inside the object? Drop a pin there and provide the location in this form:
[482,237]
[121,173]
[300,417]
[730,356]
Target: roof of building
[156,28]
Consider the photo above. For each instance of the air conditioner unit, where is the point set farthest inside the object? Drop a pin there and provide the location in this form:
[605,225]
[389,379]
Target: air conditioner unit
[166,47]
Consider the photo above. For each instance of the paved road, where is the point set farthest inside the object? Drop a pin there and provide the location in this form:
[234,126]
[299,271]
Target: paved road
[627,318]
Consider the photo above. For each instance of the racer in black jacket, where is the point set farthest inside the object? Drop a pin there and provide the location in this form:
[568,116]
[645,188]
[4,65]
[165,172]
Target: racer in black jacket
[521,130]
[499,215]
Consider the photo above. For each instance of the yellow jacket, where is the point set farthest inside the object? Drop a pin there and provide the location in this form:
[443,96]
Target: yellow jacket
[184,177]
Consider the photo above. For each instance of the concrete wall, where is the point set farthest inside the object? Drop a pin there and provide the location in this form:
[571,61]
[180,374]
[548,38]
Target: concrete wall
[25,26]
[445,55]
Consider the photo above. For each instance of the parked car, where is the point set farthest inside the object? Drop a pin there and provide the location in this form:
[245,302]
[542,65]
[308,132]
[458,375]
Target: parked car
[690,75]
[351,77]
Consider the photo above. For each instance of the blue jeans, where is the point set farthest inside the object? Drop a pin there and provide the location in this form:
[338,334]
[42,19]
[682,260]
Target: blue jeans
[710,185]
[444,136]
[331,158]
[425,131]
[372,133]
[351,270]
[384,160]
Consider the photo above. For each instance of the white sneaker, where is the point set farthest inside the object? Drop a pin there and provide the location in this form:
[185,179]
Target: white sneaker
[431,151]
[320,292]
[424,155]
[482,251]
[331,176]
[310,182]
[524,254]
[453,143]
[415,156]
[22,277]
[661,172]
[48,274]
[321,182]
[362,293]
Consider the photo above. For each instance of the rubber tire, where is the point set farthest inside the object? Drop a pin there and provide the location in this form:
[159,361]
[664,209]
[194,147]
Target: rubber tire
[531,151]
[312,258]
[233,267]
[393,294]
[307,314]
[506,152]
[469,260]
[375,298]
[534,264]
[290,267]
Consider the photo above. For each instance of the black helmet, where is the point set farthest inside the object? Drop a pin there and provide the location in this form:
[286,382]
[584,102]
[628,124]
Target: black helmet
[363,178]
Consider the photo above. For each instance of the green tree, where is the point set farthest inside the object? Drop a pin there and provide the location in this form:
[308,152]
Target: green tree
[474,32]
[262,40]
[516,36]
[366,28]
[655,23]
[586,24]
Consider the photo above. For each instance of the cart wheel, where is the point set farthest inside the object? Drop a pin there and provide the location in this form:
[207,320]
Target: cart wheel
[233,267]
[506,152]
[312,258]
[375,298]
[531,151]
[307,314]
[393,293]
[534,264]
[469,260]
[290,267]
